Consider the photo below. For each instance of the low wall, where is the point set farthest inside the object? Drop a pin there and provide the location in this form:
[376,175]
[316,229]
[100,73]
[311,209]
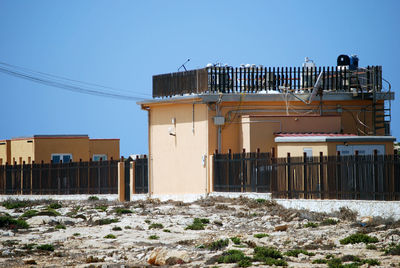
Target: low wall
[384,209]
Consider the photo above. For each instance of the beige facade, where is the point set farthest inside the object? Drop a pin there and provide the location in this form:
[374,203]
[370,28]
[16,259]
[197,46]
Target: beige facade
[297,149]
[184,133]
[5,151]
[44,148]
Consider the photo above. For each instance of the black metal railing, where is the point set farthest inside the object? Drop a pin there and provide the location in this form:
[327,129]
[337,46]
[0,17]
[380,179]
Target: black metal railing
[258,79]
[370,177]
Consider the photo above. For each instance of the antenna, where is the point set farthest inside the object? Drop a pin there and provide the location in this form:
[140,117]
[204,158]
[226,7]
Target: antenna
[183,65]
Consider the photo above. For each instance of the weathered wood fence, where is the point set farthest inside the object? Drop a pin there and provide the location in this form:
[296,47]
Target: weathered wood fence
[94,177]
[362,177]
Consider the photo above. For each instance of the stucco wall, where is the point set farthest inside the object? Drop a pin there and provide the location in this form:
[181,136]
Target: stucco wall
[109,147]
[77,146]
[22,150]
[389,146]
[5,152]
[177,146]
[297,149]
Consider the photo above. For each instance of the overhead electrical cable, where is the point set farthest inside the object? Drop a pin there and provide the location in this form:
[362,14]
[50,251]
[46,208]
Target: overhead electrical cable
[69,84]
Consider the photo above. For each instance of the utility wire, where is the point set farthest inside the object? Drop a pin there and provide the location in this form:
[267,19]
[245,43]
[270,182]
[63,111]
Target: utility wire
[68,84]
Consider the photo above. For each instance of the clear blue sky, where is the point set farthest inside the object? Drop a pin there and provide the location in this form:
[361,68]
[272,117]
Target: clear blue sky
[123,43]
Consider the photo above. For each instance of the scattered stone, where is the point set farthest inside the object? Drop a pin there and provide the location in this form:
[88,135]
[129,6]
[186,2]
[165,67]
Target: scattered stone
[30,261]
[281,228]
[159,256]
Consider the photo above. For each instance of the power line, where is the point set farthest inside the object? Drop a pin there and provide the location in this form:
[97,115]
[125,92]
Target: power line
[67,83]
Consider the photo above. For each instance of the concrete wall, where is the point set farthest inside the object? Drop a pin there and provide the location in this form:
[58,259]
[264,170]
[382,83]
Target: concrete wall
[22,150]
[5,152]
[109,147]
[177,147]
[77,146]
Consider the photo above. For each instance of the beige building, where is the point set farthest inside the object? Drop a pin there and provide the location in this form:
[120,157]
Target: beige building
[195,113]
[57,148]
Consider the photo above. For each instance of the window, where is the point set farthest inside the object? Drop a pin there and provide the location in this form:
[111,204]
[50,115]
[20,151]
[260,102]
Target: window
[96,157]
[56,158]
[308,151]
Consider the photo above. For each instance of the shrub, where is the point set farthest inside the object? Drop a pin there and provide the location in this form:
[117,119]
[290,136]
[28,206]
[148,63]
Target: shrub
[261,253]
[371,262]
[127,227]
[49,212]
[371,247]
[102,208]
[393,250]
[60,226]
[319,261]
[166,231]
[12,203]
[232,256]
[147,221]
[330,222]
[261,200]
[93,198]
[156,226]
[46,247]
[11,223]
[358,238]
[335,263]
[123,211]
[29,213]
[55,205]
[296,252]
[153,237]
[260,235]
[110,236]
[28,246]
[235,240]
[106,221]
[219,244]
[276,262]
[117,228]
[245,263]
[76,234]
[198,224]
[311,225]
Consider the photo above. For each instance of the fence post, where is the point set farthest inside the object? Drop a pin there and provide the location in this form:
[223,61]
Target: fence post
[132,178]
[289,180]
[22,177]
[121,180]
[338,175]
[98,175]
[40,181]
[376,175]
[88,172]
[356,174]
[32,163]
[321,174]
[5,178]
[58,177]
[78,182]
[244,171]
[229,169]
[305,188]
[211,174]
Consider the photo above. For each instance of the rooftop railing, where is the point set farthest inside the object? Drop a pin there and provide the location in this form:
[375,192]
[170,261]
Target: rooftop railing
[264,79]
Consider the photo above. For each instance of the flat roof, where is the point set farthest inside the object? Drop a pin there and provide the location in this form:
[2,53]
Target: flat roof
[52,136]
[333,138]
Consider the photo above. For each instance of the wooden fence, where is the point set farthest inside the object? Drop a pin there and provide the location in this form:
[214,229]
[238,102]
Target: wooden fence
[371,177]
[94,177]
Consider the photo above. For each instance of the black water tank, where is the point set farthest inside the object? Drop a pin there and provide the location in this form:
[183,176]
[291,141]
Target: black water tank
[343,60]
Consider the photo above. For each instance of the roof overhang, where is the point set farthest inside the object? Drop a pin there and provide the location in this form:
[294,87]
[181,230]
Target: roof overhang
[336,139]
[261,96]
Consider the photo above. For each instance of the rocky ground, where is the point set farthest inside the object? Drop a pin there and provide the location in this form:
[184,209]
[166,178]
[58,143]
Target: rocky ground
[213,232]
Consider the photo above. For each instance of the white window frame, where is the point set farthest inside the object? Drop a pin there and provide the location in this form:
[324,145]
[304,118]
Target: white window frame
[61,155]
[308,151]
[102,156]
